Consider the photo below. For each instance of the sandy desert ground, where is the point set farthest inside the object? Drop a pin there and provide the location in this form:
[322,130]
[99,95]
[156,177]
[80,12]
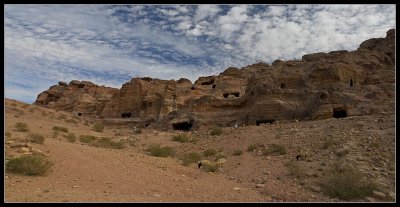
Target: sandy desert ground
[85,173]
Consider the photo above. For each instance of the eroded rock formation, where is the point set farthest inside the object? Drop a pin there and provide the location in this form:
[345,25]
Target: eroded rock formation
[321,85]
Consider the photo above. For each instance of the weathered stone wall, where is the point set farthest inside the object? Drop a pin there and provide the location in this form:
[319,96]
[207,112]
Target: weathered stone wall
[321,85]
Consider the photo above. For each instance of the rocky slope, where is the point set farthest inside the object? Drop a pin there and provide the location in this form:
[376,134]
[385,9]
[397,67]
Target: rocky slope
[321,85]
[82,172]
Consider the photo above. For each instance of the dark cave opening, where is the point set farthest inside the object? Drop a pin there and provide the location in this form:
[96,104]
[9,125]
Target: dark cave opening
[210,82]
[264,121]
[339,113]
[185,126]
[351,82]
[283,85]
[213,86]
[126,115]
[79,114]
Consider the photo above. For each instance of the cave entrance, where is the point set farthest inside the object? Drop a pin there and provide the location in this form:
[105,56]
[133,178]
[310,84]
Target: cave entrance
[283,85]
[185,126]
[339,113]
[225,95]
[263,121]
[126,115]
[351,82]
[79,114]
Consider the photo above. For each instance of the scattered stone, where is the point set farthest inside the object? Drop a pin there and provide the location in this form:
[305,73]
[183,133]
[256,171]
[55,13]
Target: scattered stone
[378,194]
[391,195]
[260,185]
[369,199]
[343,151]
[10,142]
[315,189]
[236,188]
[24,149]
[75,186]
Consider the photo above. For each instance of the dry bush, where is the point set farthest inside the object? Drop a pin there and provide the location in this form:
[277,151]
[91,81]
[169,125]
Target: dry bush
[62,129]
[180,138]
[21,127]
[295,169]
[216,131]
[213,167]
[31,110]
[190,158]
[274,149]
[86,123]
[106,142]
[34,164]
[237,152]
[70,137]
[25,106]
[87,138]
[73,121]
[98,127]
[347,183]
[156,150]
[8,134]
[209,152]
[36,138]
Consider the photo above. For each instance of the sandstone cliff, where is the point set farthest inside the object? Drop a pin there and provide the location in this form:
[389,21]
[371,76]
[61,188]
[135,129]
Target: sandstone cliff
[321,85]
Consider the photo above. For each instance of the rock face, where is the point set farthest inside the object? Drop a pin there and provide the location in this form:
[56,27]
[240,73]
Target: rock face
[322,85]
[81,97]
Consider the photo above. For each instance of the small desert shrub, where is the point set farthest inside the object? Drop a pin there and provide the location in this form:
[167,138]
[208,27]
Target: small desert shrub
[210,168]
[156,150]
[31,110]
[8,134]
[62,116]
[55,134]
[14,104]
[190,158]
[209,152]
[98,127]
[86,123]
[329,143]
[87,138]
[44,113]
[62,129]
[36,138]
[252,147]
[219,156]
[237,152]
[106,142]
[180,138]
[274,149]
[73,121]
[22,127]
[216,131]
[295,169]
[347,184]
[70,137]
[29,165]
[25,106]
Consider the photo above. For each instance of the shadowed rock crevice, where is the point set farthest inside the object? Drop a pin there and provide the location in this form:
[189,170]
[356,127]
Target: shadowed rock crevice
[185,126]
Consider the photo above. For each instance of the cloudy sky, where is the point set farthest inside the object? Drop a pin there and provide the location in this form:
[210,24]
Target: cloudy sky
[110,44]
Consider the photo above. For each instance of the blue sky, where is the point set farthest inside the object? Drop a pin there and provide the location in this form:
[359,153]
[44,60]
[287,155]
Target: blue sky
[111,44]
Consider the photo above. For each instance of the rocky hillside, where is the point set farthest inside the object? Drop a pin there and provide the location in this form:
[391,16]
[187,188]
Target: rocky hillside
[321,85]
